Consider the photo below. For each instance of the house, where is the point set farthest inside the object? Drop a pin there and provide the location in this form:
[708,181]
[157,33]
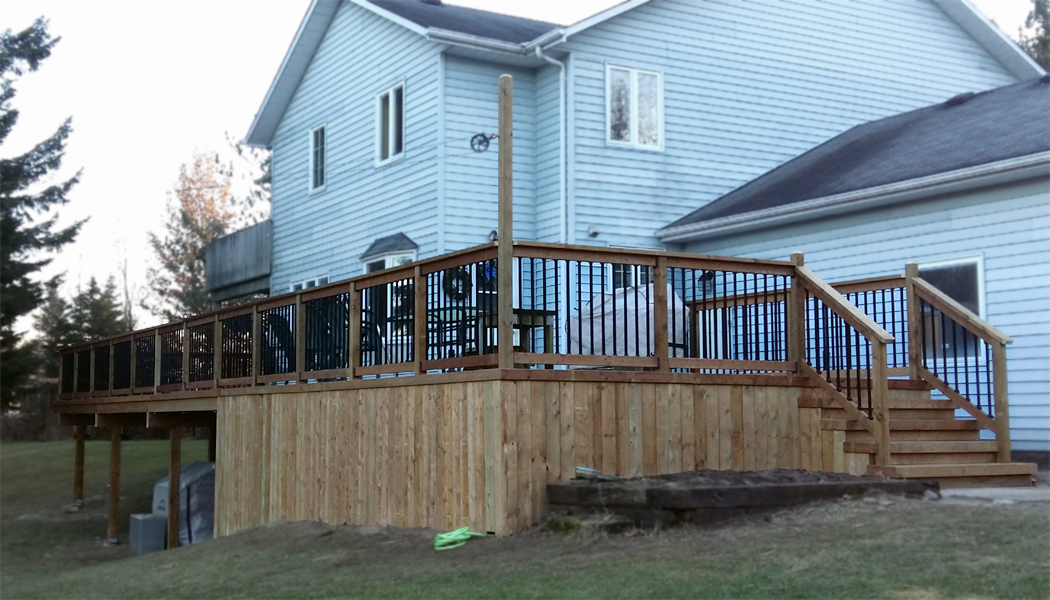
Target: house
[381,115]
[961,187]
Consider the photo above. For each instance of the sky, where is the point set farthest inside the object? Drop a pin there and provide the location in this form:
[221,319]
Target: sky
[149,83]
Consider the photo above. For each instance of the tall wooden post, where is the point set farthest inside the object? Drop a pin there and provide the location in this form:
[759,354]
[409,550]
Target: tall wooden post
[114,485]
[134,363]
[112,366]
[1002,410]
[78,465]
[91,370]
[173,487]
[505,253]
[419,334]
[300,338]
[911,273]
[185,355]
[157,356]
[660,316]
[354,332]
[256,344]
[880,401]
[216,352]
[796,324]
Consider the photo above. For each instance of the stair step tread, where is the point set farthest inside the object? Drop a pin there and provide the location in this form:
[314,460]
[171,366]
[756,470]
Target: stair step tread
[921,404]
[923,447]
[963,470]
[905,425]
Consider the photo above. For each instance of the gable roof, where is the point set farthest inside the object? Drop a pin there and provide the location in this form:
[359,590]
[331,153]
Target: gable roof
[967,131]
[469,21]
[498,33]
[399,242]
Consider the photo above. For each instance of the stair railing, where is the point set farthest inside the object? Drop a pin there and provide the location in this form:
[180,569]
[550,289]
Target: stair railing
[845,352]
[960,355]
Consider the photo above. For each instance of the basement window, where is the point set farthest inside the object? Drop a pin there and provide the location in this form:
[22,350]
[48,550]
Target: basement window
[318,157]
[306,284]
[961,280]
[390,124]
[634,110]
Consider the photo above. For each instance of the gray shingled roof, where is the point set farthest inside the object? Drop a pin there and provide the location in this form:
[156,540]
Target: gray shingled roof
[470,21]
[399,242]
[1000,124]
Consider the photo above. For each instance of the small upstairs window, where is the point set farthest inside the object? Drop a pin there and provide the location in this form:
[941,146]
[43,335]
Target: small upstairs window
[390,124]
[634,113]
[317,158]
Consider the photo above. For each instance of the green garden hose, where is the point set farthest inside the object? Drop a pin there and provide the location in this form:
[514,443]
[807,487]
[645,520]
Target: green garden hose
[454,539]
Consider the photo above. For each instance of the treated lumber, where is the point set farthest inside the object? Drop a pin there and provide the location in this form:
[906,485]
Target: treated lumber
[114,486]
[505,260]
[924,447]
[120,420]
[668,498]
[843,308]
[904,425]
[959,313]
[959,400]
[79,432]
[167,420]
[936,471]
[174,470]
[660,315]
[1002,404]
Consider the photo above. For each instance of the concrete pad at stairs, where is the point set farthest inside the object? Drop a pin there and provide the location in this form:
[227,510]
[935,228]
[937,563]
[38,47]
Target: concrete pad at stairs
[1002,495]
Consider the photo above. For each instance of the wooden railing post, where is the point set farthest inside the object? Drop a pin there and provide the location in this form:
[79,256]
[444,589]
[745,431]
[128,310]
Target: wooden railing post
[156,361]
[505,255]
[256,344]
[1002,410]
[419,334]
[911,273]
[300,338]
[134,362]
[663,362]
[91,370]
[76,371]
[880,401]
[185,354]
[796,325]
[216,353]
[354,334]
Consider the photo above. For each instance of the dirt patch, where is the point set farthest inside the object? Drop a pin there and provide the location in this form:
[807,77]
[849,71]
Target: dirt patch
[710,478]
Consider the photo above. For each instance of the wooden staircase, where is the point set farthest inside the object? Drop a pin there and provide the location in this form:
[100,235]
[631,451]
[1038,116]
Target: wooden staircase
[927,441]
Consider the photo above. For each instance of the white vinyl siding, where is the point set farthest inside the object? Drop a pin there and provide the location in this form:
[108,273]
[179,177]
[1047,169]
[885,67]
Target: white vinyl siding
[390,124]
[634,107]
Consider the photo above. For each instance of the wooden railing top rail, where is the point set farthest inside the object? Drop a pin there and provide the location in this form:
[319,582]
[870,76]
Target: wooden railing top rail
[962,315]
[845,309]
[633,256]
[870,284]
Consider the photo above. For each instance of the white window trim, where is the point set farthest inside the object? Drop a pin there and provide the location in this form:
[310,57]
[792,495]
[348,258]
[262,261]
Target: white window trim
[633,125]
[310,148]
[315,281]
[951,262]
[379,123]
[388,259]
[635,270]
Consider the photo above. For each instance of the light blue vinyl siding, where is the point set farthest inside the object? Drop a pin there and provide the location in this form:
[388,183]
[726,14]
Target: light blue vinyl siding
[747,86]
[1008,226]
[471,178]
[548,132]
[326,232]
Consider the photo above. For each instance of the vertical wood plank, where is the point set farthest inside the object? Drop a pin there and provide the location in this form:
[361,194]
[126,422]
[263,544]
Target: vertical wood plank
[635,424]
[607,393]
[539,449]
[552,400]
[713,408]
[505,256]
[806,432]
[650,462]
[737,417]
[507,476]
[623,430]
[1002,403]
[688,428]
[568,431]
[663,431]
[725,428]
[526,471]
[700,443]
[748,408]
[674,427]
[584,427]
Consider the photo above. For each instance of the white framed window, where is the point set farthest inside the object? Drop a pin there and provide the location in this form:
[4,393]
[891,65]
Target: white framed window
[962,280]
[390,124]
[307,283]
[634,109]
[625,276]
[388,261]
[318,158]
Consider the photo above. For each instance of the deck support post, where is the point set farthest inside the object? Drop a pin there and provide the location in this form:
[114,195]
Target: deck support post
[505,252]
[212,435]
[1002,410]
[78,465]
[419,335]
[911,273]
[663,364]
[174,467]
[880,401]
[796,324]
[114,485]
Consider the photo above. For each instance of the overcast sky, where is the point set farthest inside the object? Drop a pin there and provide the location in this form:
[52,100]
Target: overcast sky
[147,83]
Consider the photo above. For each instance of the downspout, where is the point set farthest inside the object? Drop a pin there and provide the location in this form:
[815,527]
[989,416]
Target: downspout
[562,200]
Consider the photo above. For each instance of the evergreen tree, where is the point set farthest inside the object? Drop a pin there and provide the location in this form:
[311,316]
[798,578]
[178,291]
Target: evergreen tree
[1034,37]
[54,322]
[28,229]
[97,312]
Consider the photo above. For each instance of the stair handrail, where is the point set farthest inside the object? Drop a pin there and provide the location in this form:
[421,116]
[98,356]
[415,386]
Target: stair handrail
[920,290]
[878,422]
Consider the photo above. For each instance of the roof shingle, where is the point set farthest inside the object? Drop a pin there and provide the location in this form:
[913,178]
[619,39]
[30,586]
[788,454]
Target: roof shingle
[470,21]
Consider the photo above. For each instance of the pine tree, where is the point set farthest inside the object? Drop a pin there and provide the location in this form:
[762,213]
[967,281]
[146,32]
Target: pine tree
[97,312]
[28,228]
[54,322]
[1034,37]
[202,209]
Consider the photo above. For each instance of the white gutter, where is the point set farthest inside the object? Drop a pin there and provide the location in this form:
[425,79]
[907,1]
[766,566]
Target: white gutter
[455,38]
[1006,171]
[562,199]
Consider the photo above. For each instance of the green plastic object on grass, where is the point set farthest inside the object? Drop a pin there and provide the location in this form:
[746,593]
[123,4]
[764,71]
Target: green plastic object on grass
[455,539]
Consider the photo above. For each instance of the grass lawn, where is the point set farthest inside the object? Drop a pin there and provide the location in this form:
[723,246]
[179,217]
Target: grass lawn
[855,549]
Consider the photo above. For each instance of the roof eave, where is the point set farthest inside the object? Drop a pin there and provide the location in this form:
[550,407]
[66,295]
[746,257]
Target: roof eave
[1000,172]
[991,38]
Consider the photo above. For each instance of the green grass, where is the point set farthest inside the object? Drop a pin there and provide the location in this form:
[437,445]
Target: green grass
[902,549]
